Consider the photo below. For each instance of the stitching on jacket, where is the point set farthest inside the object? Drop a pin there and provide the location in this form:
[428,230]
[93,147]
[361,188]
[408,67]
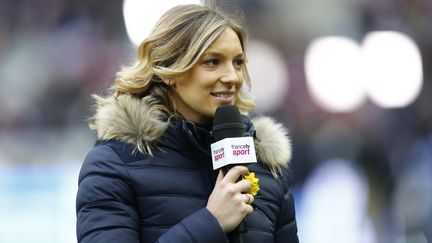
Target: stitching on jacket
[104,202]
[187,232]
[287,226]
[267,200]
[204,198]
[96,174]
[261,230]
[167,227]
[122,163]
[106,228]
[161,167]
[267,214]
[128,179]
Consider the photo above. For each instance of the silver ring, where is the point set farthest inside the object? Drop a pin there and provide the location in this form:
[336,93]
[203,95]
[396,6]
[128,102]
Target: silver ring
[250,198]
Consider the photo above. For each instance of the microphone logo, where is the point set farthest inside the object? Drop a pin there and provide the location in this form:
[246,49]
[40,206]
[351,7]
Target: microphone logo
[240,149]
[218,154]
[237,150]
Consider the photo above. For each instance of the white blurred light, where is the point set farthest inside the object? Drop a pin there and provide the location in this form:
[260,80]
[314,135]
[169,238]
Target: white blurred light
[141,16]
[387,67]
[393,67]
[332,66]
[333,206]
[269,75]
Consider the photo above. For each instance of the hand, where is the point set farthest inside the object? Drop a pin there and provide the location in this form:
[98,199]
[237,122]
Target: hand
[230,202]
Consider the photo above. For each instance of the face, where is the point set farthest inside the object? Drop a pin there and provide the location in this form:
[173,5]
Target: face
[213,81]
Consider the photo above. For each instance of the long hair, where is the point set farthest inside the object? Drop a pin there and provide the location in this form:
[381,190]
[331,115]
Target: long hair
[174,46]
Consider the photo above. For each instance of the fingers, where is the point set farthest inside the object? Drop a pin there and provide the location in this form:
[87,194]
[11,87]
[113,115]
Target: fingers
[235,172]
[230,201]
[244,186]
[220,176]
[230,180]
[247,209]
[249,198]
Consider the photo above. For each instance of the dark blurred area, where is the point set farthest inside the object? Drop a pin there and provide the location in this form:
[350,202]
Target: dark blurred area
[55,53]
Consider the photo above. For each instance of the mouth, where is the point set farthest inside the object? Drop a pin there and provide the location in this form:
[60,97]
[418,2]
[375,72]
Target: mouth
[224,97]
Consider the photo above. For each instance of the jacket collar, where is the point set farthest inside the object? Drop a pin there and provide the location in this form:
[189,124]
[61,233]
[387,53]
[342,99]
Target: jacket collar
[137,121]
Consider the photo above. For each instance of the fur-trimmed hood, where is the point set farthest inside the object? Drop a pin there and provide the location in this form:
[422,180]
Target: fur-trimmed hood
[139,122]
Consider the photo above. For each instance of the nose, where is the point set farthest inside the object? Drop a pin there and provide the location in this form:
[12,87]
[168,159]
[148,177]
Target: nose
[230,75]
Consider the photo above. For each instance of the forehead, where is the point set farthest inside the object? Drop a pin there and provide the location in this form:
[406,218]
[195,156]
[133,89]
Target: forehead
[227,42]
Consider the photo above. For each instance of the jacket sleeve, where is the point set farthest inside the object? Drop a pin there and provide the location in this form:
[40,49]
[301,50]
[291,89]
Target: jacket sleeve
[286,228]
[200,227]
[106,211]
[105,204]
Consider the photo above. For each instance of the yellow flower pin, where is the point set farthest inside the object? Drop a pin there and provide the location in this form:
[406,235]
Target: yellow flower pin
[254,180]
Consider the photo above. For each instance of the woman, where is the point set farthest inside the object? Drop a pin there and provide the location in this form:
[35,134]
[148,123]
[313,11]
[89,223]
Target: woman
[150,178]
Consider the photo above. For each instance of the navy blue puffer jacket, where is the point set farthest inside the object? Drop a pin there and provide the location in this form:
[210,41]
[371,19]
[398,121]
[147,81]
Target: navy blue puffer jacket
[149,181]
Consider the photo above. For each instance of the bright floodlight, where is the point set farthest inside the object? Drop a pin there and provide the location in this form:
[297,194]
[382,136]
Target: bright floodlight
[332,66]
[140,16]
[269,75]
[394,68]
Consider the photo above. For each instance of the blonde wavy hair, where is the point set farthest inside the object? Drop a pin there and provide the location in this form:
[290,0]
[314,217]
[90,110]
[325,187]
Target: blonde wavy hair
[174,46]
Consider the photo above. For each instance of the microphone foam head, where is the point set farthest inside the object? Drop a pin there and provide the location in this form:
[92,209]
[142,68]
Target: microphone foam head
[227,114]
[227,122]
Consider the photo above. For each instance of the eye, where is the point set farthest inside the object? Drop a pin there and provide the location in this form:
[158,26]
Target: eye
[211,62]
[239,63]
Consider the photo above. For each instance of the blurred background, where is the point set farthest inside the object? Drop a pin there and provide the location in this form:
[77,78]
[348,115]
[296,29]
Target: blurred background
[350,79]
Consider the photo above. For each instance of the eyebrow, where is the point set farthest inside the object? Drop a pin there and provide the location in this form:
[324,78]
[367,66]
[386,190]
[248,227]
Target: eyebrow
[215,53]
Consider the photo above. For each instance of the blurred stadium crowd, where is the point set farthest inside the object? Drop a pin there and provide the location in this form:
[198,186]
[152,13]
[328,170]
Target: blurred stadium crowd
[55,53]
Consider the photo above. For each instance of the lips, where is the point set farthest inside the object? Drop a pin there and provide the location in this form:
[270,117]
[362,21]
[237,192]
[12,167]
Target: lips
[224,97]
[223,94]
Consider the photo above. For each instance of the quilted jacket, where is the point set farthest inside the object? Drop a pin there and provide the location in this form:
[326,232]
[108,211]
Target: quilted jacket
[148,179]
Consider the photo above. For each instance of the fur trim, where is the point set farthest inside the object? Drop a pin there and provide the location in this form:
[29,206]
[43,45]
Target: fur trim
[272,144]
[130,120]
[141,122]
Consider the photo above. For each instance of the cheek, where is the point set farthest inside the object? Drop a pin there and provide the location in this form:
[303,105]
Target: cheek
[239,85]
[194,96]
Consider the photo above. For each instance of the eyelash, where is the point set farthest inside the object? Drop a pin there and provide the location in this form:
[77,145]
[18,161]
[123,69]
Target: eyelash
[212,62]
[239,62]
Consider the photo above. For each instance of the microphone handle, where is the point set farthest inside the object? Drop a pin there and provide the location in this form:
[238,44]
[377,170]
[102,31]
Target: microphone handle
[237,234]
